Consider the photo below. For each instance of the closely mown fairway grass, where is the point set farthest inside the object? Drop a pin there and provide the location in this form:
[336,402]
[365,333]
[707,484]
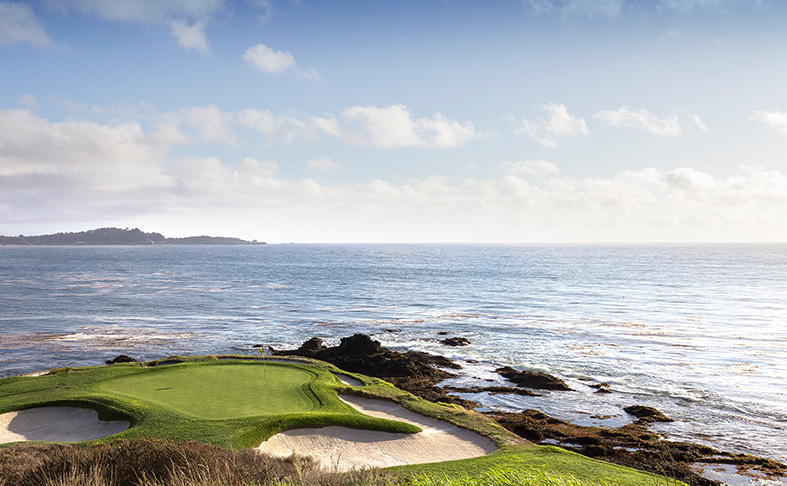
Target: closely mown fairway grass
[222,392]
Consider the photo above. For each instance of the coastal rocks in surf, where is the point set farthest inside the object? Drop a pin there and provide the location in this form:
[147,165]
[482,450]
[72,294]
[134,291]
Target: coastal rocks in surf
[456,341]
[631,445]
[121,359]
[414,371]
[533,379]
[646,415]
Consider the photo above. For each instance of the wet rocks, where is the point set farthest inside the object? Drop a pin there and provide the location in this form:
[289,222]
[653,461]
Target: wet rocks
[533,379]
[121,359]
[646,415]
[492,390]
[456,341]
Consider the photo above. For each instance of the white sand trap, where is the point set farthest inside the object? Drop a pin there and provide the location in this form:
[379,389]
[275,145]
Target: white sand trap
[56,424]
[343,448]
[348,380]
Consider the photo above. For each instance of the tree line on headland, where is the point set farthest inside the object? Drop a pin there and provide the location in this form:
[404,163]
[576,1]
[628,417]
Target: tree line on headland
[120,236]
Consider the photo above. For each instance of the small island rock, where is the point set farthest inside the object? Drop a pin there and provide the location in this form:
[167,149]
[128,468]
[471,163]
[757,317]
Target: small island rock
[533,379]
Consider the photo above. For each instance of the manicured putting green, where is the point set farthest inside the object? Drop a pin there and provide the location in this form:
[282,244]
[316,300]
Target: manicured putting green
[221,391]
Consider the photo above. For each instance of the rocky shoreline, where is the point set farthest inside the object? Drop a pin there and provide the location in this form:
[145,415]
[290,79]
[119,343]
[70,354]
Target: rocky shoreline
[631,445]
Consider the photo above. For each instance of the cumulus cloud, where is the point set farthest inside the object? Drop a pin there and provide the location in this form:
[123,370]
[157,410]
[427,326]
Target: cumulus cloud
[642,119]
[395,127]
[111,157]
[18,23]
[325,164]
[190,36]
[74,170]
[775,120]
[271,61]
[552,122]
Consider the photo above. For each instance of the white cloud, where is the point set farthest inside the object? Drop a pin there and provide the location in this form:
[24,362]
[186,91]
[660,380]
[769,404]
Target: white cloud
[575,8]
[186,19]
[387,127]
[700,124]
[79,154]
[625,117]
[271,61]
[531,167]
[29,101]
[81,171]
[553,122]
[18,23]
[395,127]
[190,36]
[775,120]
[142,11]
[210,123]
[325,164]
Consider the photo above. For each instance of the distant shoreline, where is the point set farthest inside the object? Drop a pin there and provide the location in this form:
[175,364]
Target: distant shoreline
[118,237]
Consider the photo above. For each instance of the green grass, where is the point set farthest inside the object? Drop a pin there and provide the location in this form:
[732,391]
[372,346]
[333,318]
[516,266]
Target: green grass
[233,403]
[222,392]
[237,402]
[553,461]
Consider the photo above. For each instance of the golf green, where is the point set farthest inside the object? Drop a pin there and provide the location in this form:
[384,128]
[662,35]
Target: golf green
[221,391]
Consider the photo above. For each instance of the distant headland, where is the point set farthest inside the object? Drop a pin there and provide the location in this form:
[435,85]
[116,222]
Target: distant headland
[120,236]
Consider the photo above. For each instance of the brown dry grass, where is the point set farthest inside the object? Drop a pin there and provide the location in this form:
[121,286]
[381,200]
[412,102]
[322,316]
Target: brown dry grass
[150,462]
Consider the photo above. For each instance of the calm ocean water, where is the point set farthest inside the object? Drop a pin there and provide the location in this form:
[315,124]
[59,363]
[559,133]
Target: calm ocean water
[699,332]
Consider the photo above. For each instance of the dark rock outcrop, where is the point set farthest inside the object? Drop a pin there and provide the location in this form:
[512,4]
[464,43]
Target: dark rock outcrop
[646,415]
[456,341]
[121,359]
[414,371]
[533,379]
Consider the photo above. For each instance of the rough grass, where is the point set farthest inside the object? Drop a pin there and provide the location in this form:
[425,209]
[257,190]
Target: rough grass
[151,462]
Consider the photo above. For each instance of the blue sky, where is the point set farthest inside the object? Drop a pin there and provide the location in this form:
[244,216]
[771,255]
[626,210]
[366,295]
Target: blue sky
[396,121]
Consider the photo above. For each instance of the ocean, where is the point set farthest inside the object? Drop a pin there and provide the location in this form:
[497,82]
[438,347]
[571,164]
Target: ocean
[696,331]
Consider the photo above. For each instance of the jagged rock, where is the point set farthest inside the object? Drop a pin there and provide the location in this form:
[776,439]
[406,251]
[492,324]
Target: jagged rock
[456,341]
[413,371]
[646,415]
[533,379]
[121,359]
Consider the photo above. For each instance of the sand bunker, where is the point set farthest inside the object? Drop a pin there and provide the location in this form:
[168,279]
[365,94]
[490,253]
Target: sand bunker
[56,424]
[342,448]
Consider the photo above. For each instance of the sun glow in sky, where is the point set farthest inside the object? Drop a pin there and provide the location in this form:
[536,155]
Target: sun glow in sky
[396,120]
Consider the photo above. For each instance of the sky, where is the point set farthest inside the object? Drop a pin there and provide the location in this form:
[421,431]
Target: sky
[487,121]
